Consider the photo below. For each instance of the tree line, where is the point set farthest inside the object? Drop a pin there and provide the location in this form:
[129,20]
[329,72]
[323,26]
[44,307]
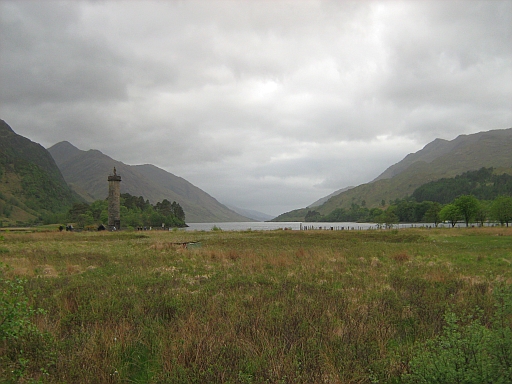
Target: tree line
[465,208]
[472,197]
[135,212]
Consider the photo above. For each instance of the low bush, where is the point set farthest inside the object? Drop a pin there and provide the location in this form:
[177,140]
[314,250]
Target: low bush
[468,351]
[25,352]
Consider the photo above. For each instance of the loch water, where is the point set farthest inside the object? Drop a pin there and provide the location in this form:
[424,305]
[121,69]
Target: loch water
[296,226]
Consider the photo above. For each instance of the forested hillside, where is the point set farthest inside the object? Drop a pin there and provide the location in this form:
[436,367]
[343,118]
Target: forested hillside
[483,184]
[475,196]
[31,185]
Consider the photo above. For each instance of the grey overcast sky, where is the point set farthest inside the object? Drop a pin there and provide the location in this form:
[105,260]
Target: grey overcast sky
[265,105]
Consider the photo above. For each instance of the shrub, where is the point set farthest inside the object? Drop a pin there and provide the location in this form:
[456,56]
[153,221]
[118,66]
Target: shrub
[467,351]
[23,348]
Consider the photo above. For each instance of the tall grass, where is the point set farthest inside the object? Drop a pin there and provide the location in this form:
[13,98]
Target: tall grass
[275,306]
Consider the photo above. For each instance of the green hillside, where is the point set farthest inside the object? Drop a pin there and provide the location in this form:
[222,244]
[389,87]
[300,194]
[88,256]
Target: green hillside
[439,159]
[31,184]
[86,173]
[483,184]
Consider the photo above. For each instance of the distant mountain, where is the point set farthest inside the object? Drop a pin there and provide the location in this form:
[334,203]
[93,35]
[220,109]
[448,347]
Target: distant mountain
[251,214]
[464,153]
[31,184]
[438,159]
[196,203]
[86,173]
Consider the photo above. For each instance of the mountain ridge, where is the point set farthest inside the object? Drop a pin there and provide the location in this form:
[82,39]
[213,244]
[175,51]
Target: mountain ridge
[437,148]
[439,158]
[86,172]
[251,213]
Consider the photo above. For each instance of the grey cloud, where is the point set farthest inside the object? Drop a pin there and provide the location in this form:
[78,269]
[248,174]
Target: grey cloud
[44,62]
[262,104]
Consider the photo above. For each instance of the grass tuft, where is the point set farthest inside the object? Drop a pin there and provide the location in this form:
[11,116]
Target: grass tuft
[252,306]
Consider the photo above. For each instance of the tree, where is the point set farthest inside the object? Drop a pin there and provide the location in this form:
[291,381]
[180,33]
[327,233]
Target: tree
[76,210]
[84,219]
[432,215]
[338,214]
[482,213]
[406,212]
[170,212]
[373,214]
[312,216]
[468,207]
[178,211]
[451,213]
[99,209]
[501,209]
[136,212]
[164,207]
[388,218]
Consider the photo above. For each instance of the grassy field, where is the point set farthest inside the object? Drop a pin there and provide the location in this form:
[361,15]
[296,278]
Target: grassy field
[256,307]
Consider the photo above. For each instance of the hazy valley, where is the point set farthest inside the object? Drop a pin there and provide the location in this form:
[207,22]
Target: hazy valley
[37,181]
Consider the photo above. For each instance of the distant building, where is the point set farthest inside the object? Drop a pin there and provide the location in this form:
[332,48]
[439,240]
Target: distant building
[114,201]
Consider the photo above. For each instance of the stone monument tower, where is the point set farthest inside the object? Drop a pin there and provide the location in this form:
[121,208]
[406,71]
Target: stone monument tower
[114,201]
